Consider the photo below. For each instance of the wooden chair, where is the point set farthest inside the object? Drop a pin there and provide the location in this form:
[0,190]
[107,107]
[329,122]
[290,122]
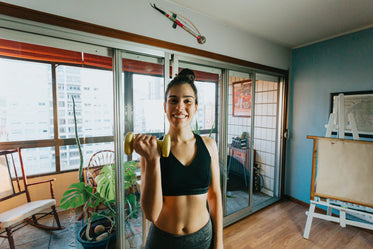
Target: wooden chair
[96,163]
[13,182]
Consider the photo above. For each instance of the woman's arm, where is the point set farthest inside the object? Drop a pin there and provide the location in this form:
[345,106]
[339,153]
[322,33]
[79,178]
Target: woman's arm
[151,189]
[214,194]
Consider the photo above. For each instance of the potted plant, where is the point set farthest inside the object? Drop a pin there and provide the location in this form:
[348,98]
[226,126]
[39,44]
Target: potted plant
[100,228]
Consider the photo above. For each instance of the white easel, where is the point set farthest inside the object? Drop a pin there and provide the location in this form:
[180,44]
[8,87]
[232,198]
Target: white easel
[343,207]
[338,114]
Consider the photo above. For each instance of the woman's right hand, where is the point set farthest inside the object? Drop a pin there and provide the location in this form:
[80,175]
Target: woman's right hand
[146,146]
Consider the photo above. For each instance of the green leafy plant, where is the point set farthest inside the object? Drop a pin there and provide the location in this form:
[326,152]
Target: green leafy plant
[106,187]
[197,131]
[81,179]
[81,195]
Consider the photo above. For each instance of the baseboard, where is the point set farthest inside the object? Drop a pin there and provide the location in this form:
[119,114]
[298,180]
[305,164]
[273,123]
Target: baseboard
[302,203]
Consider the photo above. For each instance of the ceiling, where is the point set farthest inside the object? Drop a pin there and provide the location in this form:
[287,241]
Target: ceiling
[292,23]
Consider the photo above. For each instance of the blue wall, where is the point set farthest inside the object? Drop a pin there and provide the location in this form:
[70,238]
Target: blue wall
[342,64]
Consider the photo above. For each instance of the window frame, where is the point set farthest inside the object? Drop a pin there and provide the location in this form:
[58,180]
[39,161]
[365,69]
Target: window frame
[56,142]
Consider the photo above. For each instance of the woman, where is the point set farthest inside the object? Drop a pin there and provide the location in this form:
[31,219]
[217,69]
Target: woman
[186,72]
[174,190]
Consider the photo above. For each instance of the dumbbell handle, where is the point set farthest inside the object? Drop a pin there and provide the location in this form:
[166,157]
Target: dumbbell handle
[164,146]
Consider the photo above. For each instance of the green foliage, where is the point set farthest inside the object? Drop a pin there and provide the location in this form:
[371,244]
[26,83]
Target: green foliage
[106,187]
[106,182]
[78,194]
[130,175]
[198,132]
[133,206]
[75,196]
[81,179]
[212,128]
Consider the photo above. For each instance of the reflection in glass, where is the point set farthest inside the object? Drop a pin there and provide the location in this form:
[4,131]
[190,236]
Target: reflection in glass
[238,151]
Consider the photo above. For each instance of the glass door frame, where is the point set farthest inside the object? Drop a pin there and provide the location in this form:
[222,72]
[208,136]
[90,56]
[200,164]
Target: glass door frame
[229,219]
[119,148]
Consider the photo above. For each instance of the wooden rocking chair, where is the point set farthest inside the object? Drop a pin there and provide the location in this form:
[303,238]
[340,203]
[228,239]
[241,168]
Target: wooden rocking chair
[13,182]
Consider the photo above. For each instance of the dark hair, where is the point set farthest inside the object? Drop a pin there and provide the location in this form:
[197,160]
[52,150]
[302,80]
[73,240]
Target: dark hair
[187,73]
[180,80]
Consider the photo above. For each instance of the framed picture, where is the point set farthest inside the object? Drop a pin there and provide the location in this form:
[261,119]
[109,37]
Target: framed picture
[242,98]
[360,104]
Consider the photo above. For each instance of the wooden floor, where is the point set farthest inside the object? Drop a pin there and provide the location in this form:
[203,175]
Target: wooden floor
[281,226]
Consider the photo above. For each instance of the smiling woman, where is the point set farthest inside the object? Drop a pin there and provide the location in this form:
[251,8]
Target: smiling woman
[181,101]
[175,188]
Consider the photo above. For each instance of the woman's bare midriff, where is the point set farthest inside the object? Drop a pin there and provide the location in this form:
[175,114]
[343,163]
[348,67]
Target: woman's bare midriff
[183,214]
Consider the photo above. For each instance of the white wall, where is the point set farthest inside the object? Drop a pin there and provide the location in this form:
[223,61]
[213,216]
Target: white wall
[136,16]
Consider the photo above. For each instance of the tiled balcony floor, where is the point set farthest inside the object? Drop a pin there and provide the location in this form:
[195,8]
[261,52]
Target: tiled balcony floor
[30,237]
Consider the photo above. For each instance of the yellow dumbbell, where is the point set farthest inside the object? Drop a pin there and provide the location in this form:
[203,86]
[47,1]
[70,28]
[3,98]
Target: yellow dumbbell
[164,146]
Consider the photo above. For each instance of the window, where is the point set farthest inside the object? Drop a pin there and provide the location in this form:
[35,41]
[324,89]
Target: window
[37,161]
[26,97]
[206,105]
[27,106]
[94,109]
[148,98]
[70,158]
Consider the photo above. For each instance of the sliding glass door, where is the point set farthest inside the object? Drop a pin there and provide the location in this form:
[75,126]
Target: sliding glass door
[254,135]
[239,135]
[267,139]
[144,81]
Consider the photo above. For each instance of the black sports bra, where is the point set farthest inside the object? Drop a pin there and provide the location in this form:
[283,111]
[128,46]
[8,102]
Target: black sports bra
[194,179]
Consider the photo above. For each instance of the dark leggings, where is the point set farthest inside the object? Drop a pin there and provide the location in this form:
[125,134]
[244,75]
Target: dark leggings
[158,239]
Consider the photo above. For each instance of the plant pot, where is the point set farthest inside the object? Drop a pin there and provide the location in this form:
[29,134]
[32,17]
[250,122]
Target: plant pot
[96,244]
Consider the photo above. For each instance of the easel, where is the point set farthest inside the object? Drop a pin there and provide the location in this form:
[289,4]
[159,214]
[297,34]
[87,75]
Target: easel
[338,113]
[343,206]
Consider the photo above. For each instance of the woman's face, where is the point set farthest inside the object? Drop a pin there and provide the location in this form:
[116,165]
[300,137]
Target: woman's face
[181,105]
